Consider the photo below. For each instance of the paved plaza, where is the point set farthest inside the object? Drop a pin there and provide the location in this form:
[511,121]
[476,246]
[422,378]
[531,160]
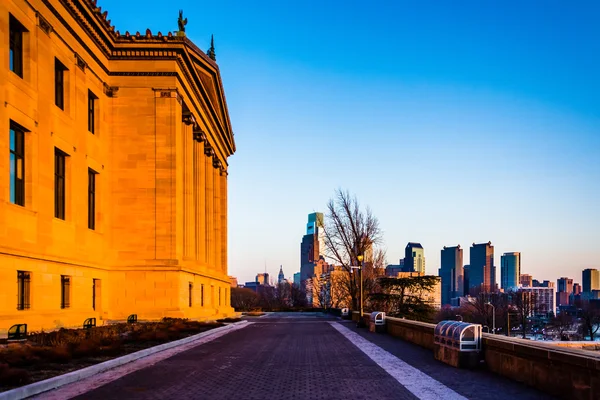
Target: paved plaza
[307,356]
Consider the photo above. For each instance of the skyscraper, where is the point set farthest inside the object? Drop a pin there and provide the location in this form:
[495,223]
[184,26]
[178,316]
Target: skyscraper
[414,258]
[451,272]
[590,280]
[565,288]
[280,277]
[482,272]
[510,270]
[312,246]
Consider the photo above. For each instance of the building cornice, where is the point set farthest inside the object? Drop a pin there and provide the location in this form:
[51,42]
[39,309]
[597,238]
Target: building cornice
[116,46]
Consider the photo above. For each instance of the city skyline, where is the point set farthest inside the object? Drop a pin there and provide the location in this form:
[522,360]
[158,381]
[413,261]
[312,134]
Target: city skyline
[454,125]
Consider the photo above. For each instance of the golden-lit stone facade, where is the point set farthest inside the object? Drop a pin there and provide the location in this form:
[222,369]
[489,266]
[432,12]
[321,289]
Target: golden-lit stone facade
[113,174]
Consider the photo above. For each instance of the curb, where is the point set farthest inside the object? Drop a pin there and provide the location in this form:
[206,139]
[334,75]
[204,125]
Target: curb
[36,388]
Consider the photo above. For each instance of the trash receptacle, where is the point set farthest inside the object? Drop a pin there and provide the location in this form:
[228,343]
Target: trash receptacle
[346,313]
[457,343]
[377,322]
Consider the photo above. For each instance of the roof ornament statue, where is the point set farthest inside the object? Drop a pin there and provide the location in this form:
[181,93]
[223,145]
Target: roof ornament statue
[181,22]
[211,52]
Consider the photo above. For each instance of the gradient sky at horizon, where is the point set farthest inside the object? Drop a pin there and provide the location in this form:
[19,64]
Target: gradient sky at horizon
[455,122]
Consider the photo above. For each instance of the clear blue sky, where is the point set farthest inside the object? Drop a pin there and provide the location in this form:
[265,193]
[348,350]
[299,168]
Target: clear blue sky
[455,121]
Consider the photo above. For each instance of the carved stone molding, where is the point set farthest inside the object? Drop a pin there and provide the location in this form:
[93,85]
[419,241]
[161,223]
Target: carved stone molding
[199,135]
[44,24]
[208,150]
[188,118]
[110,91]
[216,163]
[223,171]
[81,64]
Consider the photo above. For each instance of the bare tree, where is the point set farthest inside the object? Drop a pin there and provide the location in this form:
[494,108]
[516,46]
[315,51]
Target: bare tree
[590,319]
[525,305]
[297,296]
[321,291]
[351,232]
[243,299]
[561,324]
[283,295]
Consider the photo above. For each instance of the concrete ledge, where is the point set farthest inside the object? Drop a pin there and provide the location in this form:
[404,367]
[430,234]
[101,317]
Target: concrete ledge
[74,376]
[565,372]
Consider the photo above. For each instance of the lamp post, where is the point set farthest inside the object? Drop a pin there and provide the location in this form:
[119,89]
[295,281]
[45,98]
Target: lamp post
[493,317]
[360,320]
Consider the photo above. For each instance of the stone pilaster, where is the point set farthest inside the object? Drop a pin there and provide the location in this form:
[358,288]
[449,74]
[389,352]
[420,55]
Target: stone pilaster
[217,213]
[209,205]
[224,264]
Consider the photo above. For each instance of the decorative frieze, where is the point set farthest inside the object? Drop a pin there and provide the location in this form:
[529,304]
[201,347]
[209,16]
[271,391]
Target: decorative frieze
[44,24]
[199,135]
[110,91]
[81,64]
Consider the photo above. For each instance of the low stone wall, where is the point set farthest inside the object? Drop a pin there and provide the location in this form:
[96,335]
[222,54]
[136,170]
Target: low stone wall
[420,333]
[563,372]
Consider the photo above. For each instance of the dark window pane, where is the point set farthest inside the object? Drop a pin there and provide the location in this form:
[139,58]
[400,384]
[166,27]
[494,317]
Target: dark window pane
[59,184]
[92,100]
[65,291]
[23,290]
[17,165]
[59,83]
[16,46]
[91,199]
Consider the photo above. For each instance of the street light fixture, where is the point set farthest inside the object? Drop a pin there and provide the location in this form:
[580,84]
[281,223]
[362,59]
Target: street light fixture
[360,323]
[493,317]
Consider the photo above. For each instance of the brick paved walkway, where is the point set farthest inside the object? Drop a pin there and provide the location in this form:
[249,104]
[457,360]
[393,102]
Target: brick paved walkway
[294,356]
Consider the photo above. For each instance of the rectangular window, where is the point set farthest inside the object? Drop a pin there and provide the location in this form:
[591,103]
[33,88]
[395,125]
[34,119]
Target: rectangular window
[92,99]
[91,199]
[59,84]
[190,288]
[59,183]
[23,290]
[94,289]
[202,295]
[65,291]
[15,52]
[17,164]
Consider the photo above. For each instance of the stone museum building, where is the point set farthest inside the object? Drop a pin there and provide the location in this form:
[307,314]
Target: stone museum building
[113,170]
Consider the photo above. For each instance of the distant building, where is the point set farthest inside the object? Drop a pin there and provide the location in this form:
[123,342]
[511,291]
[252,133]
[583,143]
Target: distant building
[590,280]
[482,272]
[564,291]
[393,269]
[565,285]
[263,279]
[451,272]
[543,298]
[414,258]
[510,270]
[297,278]
[576,288]
[548,284]
[466,280]
[280,277]
[526,280]
[312,246]
[233,281]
